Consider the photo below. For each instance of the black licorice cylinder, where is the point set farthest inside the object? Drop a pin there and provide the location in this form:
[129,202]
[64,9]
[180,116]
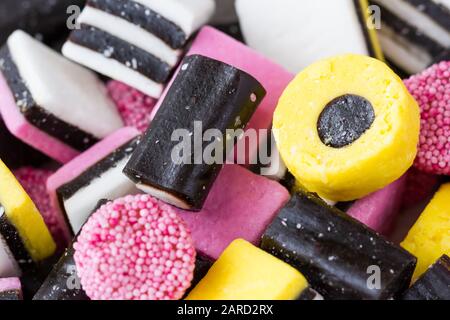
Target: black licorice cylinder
[207,97]
[340,257]
[433,284]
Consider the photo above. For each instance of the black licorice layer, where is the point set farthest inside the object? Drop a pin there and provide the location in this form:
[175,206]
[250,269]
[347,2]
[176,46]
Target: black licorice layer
[63,282]
[206,90]
[410,32]
[10,295]
[334,251]
[123,52]
[15,244]
[37,115]
[438,12]
[308,294]
[46,18]
[16,154]
[433,284]
[69,189]
[344,120]
[145,18]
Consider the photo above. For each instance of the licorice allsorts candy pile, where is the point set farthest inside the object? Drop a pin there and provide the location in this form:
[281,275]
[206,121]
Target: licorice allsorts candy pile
[224,150]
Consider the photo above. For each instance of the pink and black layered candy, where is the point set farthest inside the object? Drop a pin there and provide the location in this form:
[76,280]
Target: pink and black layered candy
[96,174]
[10,289]
[336,253]
[14,153]
[206,94]
[433,284]
[51,103]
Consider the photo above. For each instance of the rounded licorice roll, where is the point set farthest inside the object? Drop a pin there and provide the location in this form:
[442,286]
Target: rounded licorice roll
[346,127]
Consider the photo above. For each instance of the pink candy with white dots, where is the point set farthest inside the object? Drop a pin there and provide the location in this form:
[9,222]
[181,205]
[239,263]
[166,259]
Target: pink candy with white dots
[34,181]
[134,106]
[135,248]
[431,89]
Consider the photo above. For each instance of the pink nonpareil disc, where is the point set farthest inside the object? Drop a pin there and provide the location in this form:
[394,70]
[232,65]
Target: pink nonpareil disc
[135,248]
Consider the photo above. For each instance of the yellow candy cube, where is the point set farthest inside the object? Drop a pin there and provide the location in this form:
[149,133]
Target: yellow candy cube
[245,272]
[24,216]
[429,238]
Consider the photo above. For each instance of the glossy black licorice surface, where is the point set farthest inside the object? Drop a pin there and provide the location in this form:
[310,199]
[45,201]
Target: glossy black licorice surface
[127,54]
[344,120]
[205,91]
[63,282]
[340,257]
[46,18]
[145,18]
[433,284]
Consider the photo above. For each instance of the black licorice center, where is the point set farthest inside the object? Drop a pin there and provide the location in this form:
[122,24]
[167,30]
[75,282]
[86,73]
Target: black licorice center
[344,120]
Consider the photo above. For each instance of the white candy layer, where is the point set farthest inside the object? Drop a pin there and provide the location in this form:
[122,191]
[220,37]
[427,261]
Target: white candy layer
[297,33]
[403,53]
[66,90]
[8,265]
[163,196]
[424,23]
[130,33]
[189,15]
[112,184]
[111,68]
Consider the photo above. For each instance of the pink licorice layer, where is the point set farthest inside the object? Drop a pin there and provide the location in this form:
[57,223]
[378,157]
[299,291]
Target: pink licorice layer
[7,284]
[34,182]
[134,107]
[241,205]
[135,248]
[19,127]
[379,209]
[219,46]
[77,166]
[431,89]
[418,187]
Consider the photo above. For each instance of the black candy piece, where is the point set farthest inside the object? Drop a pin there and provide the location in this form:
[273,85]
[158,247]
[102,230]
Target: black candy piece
[46,18]
[10,295]
[145,18]
[309,294]
[205,90]
[433,284]
[444,56]
[31,271]
[63,282]
[337,254]
[35,114]
[127,54]
[202,266]
[14,153]
[344,120]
